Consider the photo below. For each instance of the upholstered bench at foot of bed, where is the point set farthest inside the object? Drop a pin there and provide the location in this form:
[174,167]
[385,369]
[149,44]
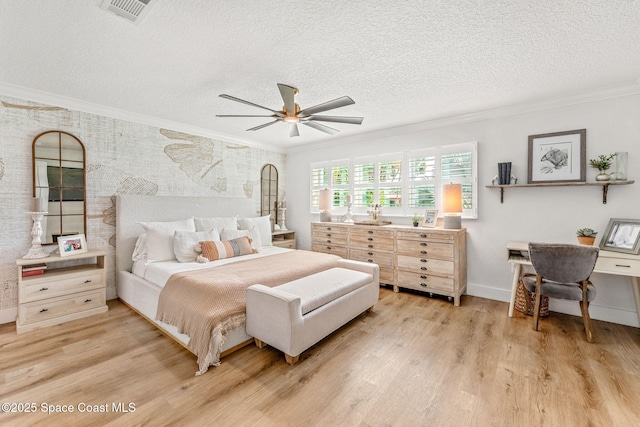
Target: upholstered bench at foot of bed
[294,316]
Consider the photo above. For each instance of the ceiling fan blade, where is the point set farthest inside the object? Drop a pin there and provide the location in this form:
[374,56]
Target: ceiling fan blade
[242,101]
[293,130]
[243,115]
[329,105]
[287,93]
[264,125]
[336,119]
[323,128]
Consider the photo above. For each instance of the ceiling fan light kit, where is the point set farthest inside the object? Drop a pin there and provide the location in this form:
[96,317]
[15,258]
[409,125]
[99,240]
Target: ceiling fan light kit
[293,115]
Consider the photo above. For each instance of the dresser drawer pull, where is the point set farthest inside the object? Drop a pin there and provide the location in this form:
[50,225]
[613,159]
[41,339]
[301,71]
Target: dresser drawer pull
[370,239]
[423,244]
[370,246]
[424,285]
[369,253]
[423,252]
[423,235]
[329,241]
[87,300]
[328,228]
[87,281]
[423,260]
[370,260]
[422,276]
[43,310]
[423,268]
[44,289]
[370,231]
[328,234]
[329,247]
[625,266]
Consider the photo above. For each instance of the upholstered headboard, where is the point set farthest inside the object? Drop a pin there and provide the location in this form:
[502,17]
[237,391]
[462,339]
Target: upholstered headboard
[131,209]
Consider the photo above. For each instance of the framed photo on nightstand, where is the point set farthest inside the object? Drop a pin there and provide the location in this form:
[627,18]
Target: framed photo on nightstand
[72,245]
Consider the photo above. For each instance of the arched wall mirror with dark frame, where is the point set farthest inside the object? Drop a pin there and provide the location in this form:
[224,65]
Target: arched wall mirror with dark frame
[59,178]
[269,192]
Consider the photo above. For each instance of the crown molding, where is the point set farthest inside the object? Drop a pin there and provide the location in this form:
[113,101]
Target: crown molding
[114,113]
[494,113]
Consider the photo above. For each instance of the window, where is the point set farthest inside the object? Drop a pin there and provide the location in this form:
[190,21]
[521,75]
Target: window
[402,183]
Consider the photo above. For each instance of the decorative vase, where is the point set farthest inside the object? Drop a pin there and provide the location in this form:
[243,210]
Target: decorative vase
[620,170]
[603,176]
[586,240]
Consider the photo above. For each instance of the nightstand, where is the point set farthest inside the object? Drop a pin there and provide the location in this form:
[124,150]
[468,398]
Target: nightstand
[60,292]
[284,239]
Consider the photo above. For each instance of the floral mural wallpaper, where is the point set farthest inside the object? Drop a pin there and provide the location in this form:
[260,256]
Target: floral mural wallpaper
[122,157]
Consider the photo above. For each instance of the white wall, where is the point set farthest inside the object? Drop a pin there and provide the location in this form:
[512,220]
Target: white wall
[531,214]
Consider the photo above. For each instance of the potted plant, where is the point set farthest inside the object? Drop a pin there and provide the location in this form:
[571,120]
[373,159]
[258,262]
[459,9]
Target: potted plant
[586,236]
[603,163]
[416,220]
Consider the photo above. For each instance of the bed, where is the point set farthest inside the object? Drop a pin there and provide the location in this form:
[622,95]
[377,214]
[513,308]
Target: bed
[140,284]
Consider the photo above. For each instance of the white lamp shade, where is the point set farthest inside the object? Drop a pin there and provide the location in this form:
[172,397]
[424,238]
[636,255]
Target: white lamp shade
[452,198]
[325,200]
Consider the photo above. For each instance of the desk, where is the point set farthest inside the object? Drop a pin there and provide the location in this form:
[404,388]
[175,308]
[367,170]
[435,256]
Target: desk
[616,263]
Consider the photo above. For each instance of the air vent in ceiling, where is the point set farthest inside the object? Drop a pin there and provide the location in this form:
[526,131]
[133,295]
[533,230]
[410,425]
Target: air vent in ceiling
[131,10]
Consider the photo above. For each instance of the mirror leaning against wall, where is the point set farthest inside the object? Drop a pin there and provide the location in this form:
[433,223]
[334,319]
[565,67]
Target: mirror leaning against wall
[59,178]
[269,192]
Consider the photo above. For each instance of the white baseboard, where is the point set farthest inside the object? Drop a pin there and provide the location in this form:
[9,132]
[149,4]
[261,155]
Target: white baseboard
[8,315]
[607,314]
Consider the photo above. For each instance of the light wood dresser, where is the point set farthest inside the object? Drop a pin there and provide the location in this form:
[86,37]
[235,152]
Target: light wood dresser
[431,260]
[62,292]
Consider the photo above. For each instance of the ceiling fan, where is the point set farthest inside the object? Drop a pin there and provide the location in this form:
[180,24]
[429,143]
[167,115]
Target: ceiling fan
[292,114]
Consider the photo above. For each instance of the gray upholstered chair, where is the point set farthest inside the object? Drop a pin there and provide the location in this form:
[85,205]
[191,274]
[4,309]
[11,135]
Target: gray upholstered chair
[562,271]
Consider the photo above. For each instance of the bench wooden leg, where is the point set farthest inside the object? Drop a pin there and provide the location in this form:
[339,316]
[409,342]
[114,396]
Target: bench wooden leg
[259,343]
[370,309]
[291,360]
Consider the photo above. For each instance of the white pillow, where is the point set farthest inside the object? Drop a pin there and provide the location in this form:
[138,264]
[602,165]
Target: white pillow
[262,223]
[185,242]
[160,237]
[140,250]
[228,222]
[253,234]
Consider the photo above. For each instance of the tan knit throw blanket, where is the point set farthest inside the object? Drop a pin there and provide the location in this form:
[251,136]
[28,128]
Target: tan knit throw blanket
[206,304]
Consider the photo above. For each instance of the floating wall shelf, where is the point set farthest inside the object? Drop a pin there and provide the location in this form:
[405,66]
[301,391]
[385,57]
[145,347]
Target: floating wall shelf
[605,186]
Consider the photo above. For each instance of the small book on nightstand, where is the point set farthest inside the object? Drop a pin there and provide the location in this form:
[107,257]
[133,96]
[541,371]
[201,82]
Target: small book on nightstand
[33,270]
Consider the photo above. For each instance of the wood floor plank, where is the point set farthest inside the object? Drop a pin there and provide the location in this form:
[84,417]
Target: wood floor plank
[412,361]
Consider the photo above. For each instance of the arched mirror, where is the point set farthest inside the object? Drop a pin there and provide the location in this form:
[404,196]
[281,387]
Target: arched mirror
[269,192]
[59,179]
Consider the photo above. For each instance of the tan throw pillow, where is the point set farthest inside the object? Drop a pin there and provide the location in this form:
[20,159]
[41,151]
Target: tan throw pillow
[222,249]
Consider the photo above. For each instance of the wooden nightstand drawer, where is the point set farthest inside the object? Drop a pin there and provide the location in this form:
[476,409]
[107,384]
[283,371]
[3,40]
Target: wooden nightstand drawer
[38,311]
[418,248]
[425,282]
[426,265]
[48,287]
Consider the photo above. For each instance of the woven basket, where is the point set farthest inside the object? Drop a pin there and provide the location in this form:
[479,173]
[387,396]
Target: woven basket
[522,293]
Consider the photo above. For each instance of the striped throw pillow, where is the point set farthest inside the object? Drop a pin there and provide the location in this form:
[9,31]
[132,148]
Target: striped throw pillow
[213,250]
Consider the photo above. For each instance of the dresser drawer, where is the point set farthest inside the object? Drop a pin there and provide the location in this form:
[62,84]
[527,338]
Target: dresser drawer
[425,282]
[341,251]
[383,259]
[61,306]
[330,238]
[386,275]
[419,248]
[367,241]
[425,235]
[376,232]
[42,288]
[428,265]
[329,228]
[617,266]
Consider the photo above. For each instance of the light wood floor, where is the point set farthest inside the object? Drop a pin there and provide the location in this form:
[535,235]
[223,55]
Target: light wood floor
[413,361]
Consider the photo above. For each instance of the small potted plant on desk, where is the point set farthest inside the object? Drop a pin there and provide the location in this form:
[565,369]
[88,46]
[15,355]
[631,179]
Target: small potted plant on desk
[416,220]
[603,163]
[586,236]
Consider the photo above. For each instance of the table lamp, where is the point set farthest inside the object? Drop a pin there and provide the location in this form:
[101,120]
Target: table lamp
[452,206]
[325,205]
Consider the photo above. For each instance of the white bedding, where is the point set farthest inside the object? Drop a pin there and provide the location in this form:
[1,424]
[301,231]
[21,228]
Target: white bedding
[159,272]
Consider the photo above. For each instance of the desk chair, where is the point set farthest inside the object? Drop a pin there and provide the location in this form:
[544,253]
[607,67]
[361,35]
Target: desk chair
[562,271]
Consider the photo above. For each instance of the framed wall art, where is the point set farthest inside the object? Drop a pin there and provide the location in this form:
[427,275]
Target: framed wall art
[558,157]
[622,235]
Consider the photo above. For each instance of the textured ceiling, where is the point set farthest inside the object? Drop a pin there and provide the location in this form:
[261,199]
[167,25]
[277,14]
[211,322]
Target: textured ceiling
[401,61]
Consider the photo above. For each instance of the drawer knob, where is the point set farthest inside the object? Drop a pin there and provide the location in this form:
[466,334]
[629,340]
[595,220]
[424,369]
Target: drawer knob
[370,239]
[369,253]
[423,235]
[329,247]
[87,300]
[423,260]
[423,277]
[423,252]
[424,285]
[370,231]
[43,310]
[370,246]
[423,244]
[370,260]
[423,268]
[328,234]
[328,228]
[44,289]
[87,281]
[329,241]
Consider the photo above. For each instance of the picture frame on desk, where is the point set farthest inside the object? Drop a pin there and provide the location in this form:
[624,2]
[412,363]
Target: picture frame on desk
[622,235]
[430,218]
[72,244]
[557,157]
